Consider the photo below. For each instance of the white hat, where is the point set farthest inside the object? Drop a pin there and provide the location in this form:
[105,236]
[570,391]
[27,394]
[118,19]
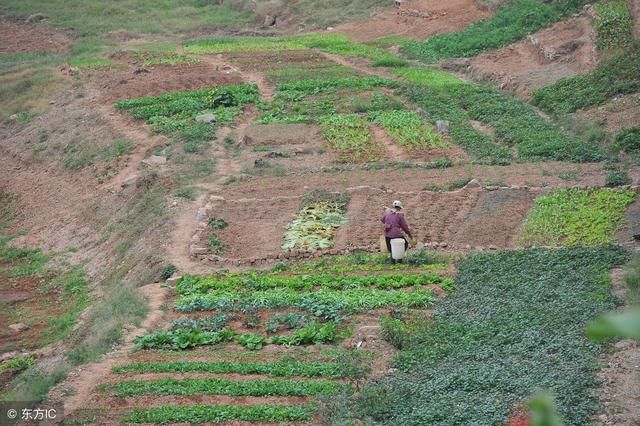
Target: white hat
[397,204]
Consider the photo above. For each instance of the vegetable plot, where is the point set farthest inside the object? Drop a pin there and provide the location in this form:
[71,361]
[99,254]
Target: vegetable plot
[408,129]
[174,114]
[570,217]
[316,225]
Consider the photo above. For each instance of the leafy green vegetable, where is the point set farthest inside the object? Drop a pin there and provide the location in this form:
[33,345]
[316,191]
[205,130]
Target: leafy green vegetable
[221,413]
[515,323]
[569,217]
[215,386]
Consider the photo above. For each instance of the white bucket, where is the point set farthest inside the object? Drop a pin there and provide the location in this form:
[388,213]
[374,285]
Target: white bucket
[397,248]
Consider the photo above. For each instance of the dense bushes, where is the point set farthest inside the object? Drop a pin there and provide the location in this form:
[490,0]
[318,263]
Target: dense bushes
[515,324]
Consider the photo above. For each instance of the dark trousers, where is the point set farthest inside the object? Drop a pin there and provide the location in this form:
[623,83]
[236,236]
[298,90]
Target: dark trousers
[388,240]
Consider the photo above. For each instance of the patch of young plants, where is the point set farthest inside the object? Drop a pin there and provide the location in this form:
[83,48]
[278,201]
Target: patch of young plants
[324,303]
[220,413]
[570,217]
[275,368]
[330,43]
[515,324]
[253,281]
[408,130]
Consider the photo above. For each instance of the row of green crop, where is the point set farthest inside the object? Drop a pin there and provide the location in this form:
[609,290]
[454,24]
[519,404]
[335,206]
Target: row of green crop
[220,413]
[320,303]
[216,386]
[569,217]
[181,339]
[617,75]
[512,22]
[517,125]
[201,284]
[275,368]
[330,43]
[514,325]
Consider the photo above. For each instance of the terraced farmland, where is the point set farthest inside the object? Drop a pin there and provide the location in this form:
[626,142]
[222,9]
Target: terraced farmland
[268,346]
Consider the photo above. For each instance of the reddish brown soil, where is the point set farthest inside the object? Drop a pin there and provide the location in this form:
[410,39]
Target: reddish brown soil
[20,37]
[158,79]
[438,17]
[621,113]
[562,50]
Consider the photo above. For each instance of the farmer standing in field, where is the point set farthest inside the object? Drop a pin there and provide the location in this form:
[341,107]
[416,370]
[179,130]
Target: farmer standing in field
[394,225]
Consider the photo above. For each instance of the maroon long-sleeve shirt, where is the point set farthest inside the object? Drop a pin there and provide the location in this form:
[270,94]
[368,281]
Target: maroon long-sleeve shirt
[394,224]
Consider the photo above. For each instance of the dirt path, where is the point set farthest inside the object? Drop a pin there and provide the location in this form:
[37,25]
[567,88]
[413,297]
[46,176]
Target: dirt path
[84,379]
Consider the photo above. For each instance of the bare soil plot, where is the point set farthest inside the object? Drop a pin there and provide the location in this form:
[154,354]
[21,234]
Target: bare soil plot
[16,36]
[417,19]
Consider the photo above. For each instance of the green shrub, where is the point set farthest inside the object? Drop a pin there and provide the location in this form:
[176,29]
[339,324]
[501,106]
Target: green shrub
[186,193]
[569,217]
[615,76]
[628,140]
[512,309]
[19,363]
[613,24]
